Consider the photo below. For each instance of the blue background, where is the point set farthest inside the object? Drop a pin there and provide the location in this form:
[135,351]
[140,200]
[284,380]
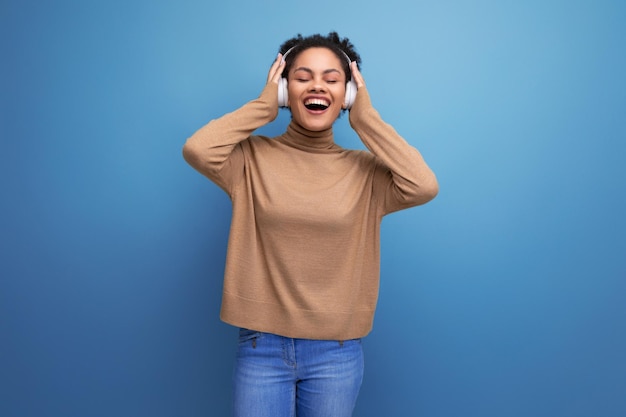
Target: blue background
[505,296]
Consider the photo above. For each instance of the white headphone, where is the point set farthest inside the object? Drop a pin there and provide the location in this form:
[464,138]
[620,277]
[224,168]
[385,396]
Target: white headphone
[283,94]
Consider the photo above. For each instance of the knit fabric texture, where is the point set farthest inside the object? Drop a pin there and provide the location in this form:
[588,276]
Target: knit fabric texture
[303,256]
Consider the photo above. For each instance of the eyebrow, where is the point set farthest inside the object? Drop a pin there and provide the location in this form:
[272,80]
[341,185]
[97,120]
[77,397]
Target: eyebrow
[310,71]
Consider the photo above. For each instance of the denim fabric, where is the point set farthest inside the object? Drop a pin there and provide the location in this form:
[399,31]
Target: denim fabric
[278,376]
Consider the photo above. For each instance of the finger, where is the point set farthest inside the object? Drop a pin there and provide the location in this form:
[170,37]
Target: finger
[272,70]
[276,69]
[356,75]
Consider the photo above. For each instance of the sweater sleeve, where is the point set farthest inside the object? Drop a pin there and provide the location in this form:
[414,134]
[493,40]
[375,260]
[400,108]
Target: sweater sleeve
[213,149]
[403,179]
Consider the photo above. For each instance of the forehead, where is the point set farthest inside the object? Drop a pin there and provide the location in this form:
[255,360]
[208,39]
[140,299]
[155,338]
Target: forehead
[317,57]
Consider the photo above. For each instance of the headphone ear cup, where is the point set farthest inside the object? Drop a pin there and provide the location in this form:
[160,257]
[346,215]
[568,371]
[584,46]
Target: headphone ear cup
[350,93]
[283,97]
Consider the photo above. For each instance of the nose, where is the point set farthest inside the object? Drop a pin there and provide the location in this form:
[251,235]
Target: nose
[317,85]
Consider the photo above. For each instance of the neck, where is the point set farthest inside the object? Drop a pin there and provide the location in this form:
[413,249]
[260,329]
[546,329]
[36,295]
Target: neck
[308,140]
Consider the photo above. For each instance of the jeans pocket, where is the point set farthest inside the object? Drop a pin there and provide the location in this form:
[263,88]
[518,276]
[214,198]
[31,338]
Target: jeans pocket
[246,335]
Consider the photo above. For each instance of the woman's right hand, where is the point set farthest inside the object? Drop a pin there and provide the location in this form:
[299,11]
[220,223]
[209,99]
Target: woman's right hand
[276,70]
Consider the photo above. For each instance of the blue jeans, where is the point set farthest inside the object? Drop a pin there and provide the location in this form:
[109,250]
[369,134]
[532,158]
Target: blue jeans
[278,376]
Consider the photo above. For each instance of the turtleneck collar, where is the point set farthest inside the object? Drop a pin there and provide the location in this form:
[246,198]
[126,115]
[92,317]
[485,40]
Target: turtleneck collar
[307,140]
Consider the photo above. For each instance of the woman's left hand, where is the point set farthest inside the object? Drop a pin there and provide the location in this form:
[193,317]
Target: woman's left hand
[356,75]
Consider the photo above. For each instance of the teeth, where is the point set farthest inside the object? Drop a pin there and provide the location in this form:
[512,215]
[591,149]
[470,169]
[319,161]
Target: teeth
[316,102]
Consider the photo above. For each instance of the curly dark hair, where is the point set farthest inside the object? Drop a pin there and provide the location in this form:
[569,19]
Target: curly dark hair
[332,41]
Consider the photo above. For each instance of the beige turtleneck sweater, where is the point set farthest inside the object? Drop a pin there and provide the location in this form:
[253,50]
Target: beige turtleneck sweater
[303,254]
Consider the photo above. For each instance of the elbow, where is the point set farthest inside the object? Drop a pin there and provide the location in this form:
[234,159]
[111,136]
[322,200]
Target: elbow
[426,194]
[432,189]
[200,158]
[423,192]
[187,151]
[190,153]
[192,156]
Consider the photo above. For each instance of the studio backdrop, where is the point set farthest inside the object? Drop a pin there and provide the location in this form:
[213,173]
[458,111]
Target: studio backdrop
[503,297]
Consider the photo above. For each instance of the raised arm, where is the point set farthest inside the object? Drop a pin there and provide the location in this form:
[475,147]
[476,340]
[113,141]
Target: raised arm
[409,181]
[210,150]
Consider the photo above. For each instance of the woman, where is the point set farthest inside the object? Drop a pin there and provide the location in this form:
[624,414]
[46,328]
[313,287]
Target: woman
[302,269]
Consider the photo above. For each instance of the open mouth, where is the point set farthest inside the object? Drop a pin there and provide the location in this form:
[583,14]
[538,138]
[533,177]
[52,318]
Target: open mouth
[316,104]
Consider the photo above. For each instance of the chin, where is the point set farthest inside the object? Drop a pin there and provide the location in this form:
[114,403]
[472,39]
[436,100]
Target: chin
[316,123]
[315,127]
